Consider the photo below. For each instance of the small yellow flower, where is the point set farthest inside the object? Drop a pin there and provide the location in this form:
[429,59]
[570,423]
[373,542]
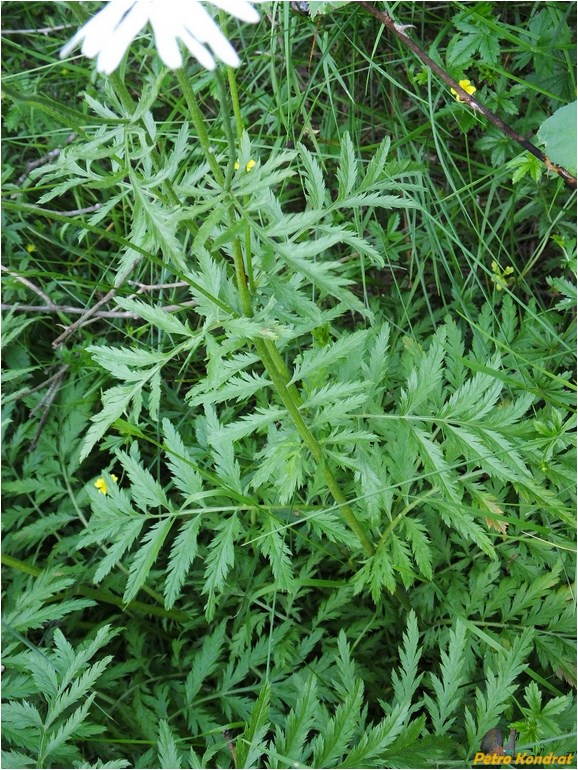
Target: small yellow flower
[500,277]
[30,248]
[100,484]
[468,88]
[248,167]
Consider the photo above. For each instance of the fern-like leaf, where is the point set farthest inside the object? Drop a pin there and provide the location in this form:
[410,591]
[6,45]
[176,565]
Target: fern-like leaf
[274,547]
[169,755]
[146,556]
[446,688]
[183,553]
[250,745]
[220,559]
[290,742]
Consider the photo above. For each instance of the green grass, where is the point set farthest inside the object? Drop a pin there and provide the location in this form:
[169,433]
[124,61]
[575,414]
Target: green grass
[336,392]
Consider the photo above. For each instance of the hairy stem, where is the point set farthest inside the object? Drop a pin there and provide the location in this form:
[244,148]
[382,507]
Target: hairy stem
[199,124]
[267,351]
[313,445]
[235,99]
[239,128]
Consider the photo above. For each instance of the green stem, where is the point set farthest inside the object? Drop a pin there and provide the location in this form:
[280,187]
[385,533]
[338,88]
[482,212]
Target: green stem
[267,351]
[246,303]
[249,254]
[394,522]
[283,371]
[235,99]
[199,124]
[99,595]
[227,126]
[248,259]
[277,371]
[313,445]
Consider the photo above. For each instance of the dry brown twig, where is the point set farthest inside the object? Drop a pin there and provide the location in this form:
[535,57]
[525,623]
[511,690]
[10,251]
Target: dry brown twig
[17,308]
[46,402]
[400,31]
[91,314]
[70,309]
[48,158]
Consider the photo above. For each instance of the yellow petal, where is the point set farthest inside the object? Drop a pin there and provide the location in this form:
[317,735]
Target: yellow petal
[100,484]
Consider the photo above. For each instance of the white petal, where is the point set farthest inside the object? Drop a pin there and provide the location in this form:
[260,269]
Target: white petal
[196,20]
[111,31]
[199,51]
[165,38]
[102,26]
[225,51]
[239,8]
[97,30]
[113,49]
[200,25]
[72,43]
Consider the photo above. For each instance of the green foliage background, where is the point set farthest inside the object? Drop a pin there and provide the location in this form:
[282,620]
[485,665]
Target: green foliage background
[399,360]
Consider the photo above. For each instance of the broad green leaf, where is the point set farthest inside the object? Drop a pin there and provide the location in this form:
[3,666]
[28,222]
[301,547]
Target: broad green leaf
[558,135]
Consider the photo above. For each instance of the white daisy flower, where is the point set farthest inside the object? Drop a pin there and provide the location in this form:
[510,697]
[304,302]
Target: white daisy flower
[109,34]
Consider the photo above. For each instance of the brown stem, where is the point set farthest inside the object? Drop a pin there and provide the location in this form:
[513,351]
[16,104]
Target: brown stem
[50,156]
[71,310]
[29,284]
[92,310]
[399,30]
[46,404]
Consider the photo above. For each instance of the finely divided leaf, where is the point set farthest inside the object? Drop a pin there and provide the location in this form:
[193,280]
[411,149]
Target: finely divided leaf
[347,170]
[220,559]
[406,682]
[300,721]
[275,548]
[179,462]
[315,360]
[146,491]
[145,557]
[250,745]
[334,740]
[446,688]
[115,401]
[313,178]
[169,755]
[183,553]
